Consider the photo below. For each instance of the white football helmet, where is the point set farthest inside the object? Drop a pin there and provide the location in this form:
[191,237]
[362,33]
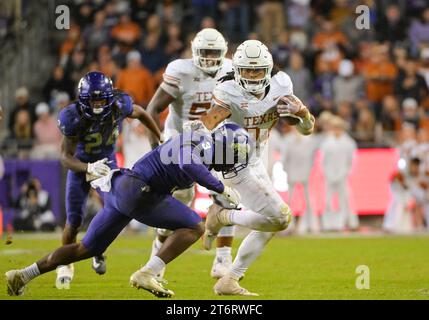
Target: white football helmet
[252,54]
[209,39]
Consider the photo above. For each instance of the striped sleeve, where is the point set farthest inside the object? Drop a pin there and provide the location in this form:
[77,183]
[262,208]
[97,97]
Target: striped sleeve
[172,82]
[221,99]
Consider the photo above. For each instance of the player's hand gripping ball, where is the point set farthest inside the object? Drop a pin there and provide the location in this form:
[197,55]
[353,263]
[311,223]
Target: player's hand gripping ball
[292,109]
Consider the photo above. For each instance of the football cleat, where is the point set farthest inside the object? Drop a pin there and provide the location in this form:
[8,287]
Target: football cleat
[15,283]
[228,286]
[220,267]
[213,225]
[64,277]
[148,282]
[99,264]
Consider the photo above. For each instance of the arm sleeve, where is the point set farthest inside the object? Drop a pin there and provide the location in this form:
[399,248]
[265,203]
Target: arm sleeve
[172,80]
[193,166]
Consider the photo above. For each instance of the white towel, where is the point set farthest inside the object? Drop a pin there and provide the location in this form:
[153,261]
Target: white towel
[104,183]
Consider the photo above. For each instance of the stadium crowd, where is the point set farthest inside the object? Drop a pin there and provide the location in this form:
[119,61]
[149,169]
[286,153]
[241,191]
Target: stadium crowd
[371,83]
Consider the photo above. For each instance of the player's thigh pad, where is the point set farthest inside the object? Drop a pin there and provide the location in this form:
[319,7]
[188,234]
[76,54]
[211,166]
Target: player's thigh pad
[76,194]
[167,212]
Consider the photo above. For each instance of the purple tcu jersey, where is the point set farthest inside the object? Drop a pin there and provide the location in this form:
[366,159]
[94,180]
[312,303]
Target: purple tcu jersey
[170,167]
[96,140]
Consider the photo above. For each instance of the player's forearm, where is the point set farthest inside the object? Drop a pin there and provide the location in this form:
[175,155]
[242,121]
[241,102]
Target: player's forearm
[215,116]
[152,125]
[73,164]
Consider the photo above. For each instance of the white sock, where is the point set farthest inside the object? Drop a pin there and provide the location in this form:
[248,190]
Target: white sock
[154,265]
[155,247]
[251,247]
[30,272]
[223,252]
[250,219]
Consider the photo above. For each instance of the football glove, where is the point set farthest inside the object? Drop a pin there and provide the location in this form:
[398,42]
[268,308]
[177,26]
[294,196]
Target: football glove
[231,195]
[97,169]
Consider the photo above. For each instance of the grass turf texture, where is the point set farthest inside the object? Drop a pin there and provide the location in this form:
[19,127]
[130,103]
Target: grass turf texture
[289,268]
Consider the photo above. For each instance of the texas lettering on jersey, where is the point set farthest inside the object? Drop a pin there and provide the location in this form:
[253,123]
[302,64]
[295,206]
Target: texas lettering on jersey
[258,117]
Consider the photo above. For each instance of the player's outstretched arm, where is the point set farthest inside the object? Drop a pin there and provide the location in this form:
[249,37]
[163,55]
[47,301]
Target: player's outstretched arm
[68,160]
[157,104]
[291,108]
[215,116]
[144,117]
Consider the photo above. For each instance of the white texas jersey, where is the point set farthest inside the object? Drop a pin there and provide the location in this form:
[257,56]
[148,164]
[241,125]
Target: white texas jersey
[258,117]
[192,89]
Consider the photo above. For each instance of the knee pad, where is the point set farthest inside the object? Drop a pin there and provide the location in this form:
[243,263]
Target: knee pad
[283,220]
[185,196]
[163,232]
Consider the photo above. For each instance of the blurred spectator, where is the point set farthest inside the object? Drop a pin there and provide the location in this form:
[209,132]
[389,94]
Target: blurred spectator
[76,66]
[364,130]
[281,50]
[203,8]
[323,89]
[96,34]
[392,25]
[328,37]
[411,84]
[22,102]
[61,100]
[271,20]
[106,64]
[73,41]
[170,12]
[404,184]
[379,73]
[47,136]
[340,12]
[410,112]
[141,10]
[153,54]
[298,13]
[22,134]
[300,76]
[419,32]
[58,82]
[298,153]
[135,142]
[337,154]
[34,209]
[136,80]
[174,45]
[237,19]
[390,118]
[112,14]
[347,87]
[126,32]
[84,14]
[424,65]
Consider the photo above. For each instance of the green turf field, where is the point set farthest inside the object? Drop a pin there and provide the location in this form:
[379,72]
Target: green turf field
[290,268]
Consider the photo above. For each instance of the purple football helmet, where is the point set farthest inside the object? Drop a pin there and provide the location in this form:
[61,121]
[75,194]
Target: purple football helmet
[96,95]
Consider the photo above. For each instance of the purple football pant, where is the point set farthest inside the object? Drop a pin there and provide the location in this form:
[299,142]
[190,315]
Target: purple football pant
[128,199]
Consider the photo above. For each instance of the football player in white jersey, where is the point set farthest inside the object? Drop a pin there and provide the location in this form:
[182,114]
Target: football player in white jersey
[254,99]
[187,91]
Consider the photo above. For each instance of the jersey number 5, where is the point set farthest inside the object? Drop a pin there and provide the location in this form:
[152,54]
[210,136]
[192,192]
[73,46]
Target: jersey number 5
[198,109]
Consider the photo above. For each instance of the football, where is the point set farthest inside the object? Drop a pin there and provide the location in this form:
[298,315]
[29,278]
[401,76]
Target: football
[292,104]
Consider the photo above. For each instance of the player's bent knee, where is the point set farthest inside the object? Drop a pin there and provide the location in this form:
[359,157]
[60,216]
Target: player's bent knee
[163,232]
[282,222]
[74,221]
